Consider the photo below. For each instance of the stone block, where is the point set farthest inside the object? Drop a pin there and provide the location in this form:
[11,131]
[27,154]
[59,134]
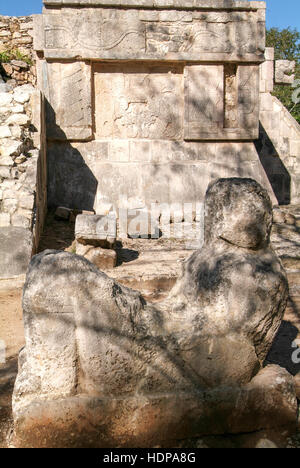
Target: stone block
[124,93]
[97,230]
[118,150]
[62,213]
[4,220]
[15,251]
[68,111]
[139,223]
[6,161]
[80,178]
[146,35]
[9,147]
[5,99]
[204,101]
[157,421]
[140,151]
[295,147]
[5,172]
[104,259]
[267,75]
[284,70]
[269,53]
[5,131]
[248,100]
[266,102]
[26,200]
[18,119]
[22,95]
[21,221]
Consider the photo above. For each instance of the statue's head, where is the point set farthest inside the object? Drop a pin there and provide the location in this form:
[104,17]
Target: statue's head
[238,211]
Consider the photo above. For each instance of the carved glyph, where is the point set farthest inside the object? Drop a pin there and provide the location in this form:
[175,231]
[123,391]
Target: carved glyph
[117,34]
[138,101]
[69,104]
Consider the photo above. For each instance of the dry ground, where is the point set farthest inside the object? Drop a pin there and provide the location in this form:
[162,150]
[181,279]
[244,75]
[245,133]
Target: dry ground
[12,333]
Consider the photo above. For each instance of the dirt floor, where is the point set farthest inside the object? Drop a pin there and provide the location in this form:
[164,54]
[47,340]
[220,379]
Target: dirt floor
[12,333]
[132,261]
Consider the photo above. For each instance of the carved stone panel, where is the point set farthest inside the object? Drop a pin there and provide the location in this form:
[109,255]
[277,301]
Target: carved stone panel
[204,101]
[138,101]
[221,102]
[68,89]
[89,33]
[156,34]
[248,101]
[284,71]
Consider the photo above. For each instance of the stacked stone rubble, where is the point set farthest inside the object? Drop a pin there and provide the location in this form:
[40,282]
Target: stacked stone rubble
[17,156]
[22,176]
[16,37]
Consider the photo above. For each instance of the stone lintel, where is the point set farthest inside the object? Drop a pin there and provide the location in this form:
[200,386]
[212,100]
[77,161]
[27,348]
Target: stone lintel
[163,4]
[58,54]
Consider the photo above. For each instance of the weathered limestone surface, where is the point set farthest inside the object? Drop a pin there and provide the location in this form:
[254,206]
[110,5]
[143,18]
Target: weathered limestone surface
[143,85]
[97,352]
[96,230]
[279,137]
[205,105]
[159,420]
[284,70]
[16,33]
[15,251]
[186,4]
[104,259]
[85,175]
[68,92]
[138,101]
[160,34]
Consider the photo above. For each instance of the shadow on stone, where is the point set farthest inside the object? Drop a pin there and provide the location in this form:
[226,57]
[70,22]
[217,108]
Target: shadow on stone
[71,182]
[282,349]
[276,171]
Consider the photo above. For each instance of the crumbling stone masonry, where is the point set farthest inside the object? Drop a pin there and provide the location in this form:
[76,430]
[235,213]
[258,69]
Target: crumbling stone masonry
[23,175]
[16,36]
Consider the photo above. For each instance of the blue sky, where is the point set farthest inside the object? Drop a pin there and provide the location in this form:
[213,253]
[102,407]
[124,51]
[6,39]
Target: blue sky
[280,13]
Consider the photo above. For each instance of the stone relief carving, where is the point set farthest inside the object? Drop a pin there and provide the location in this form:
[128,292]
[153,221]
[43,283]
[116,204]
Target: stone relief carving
[208,38]
[96,33]
[284,71]
[138,101]
[204,97]
[119,34]
[69,105]
[214,112]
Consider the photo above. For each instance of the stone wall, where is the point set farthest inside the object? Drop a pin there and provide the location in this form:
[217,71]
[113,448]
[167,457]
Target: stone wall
[22,176]
[16,36]
[279,140]
[23,172]
[154,100]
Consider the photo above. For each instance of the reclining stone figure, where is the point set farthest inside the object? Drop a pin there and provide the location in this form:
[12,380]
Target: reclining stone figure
[102,367]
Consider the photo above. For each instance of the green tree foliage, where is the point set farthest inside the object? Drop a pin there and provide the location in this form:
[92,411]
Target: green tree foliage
[286,43]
